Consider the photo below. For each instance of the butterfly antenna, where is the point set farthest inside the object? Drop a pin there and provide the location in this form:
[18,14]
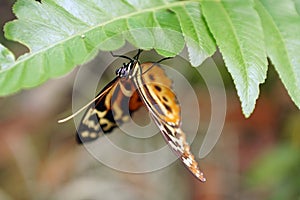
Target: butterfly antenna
[78,111]
[121,56]
[167,58]
[136,57]
[156,63]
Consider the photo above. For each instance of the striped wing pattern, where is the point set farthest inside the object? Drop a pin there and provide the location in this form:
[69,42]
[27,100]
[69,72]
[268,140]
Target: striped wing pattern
[164,108]
[137,85]
[109,111]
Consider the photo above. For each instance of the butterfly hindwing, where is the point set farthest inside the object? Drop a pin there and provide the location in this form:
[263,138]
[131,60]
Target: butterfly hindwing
[89,127]
[117,102]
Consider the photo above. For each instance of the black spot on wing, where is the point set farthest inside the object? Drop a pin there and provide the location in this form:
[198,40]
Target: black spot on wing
[151,77]
[168,108]
[157,88]
[165,99]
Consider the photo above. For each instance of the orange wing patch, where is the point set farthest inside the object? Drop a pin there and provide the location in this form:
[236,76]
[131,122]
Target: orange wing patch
[155,90]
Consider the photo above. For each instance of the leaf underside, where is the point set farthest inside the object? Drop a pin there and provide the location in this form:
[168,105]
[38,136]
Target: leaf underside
[62,34]
[235,32]
[282,37]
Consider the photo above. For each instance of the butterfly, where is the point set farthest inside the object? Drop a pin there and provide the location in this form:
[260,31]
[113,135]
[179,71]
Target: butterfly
[138,85]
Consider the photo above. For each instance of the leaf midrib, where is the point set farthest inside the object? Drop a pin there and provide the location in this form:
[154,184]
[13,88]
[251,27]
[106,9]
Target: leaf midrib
[193,23]
[281,39]
[239,49]
[79,34]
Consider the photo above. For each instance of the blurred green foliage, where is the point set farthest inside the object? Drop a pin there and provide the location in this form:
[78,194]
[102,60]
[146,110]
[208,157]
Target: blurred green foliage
[278,170]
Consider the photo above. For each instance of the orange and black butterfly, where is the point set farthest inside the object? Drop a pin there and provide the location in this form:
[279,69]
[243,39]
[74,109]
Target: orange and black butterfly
[139,85]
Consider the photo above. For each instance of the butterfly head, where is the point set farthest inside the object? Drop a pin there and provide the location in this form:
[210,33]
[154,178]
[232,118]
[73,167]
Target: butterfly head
[124,71]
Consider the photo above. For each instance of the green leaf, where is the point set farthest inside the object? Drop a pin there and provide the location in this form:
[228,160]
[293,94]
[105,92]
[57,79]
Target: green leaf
[199,42]
[6,58]
[62,34]
[237,30]
[281,25]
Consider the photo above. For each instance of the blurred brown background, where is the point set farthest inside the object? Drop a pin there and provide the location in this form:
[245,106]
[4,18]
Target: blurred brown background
[255,158]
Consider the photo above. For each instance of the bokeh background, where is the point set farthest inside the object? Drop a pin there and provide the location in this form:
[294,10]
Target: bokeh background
[255,158]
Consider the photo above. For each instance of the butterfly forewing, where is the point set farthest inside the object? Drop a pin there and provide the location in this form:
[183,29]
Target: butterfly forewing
[176,139]
[164,108]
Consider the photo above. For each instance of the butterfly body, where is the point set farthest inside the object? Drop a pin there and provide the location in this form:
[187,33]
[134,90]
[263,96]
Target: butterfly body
[139,85]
